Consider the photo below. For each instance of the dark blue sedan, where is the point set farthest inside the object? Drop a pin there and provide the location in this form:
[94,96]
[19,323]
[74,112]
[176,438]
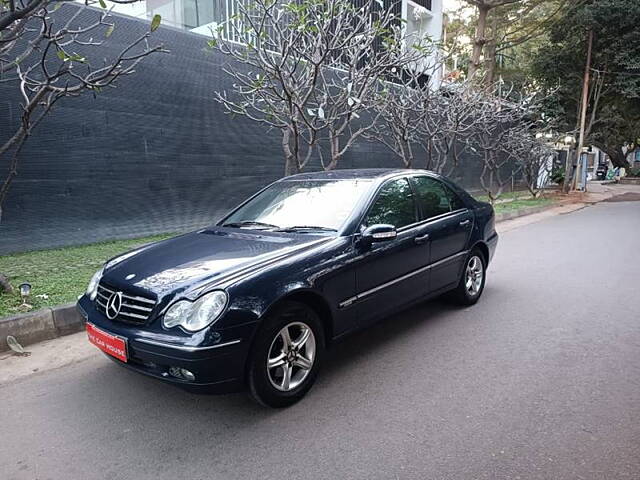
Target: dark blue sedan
[255,300]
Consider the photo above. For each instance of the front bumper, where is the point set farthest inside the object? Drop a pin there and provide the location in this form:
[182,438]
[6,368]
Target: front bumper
[218,367]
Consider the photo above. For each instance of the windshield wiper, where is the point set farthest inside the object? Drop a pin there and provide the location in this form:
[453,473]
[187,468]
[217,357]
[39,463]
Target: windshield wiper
[296,228]
[249,224]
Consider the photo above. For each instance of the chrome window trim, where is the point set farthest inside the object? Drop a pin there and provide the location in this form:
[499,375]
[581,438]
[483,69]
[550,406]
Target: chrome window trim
[366,293]
[432,219]
[185,348]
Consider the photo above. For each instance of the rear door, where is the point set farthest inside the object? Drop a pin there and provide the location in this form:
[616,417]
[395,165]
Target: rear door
[448,223]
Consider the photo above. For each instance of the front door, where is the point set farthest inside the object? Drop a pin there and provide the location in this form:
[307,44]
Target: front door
[391,273]
[448,224]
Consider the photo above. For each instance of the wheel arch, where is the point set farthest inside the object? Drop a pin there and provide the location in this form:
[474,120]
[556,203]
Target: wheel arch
[484,249]
[313,300]
[310,298]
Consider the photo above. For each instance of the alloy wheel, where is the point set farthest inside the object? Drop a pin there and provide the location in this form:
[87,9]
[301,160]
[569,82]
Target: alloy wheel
[474,276]
[291,356]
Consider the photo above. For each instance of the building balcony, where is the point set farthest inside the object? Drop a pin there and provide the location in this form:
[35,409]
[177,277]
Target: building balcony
[422,3]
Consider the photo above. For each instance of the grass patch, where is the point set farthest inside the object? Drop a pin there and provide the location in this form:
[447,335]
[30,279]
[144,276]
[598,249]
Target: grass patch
[506,196]
[510,201]
[61,274]
[522,203]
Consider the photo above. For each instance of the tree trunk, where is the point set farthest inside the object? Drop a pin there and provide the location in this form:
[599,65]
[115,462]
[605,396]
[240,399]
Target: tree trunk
[490,55]
[291,163]
[618,157]
[478,41]
[4,284]
[290,166]
[570,180]
[334,140]
[407,156]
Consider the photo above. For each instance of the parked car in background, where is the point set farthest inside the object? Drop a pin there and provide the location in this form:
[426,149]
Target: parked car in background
[256,299]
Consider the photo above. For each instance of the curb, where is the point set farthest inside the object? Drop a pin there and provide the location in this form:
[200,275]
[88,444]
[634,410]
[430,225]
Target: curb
[53,322]
[45,324]
[629,181]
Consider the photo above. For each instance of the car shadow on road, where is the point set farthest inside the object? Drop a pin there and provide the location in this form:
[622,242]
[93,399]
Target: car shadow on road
[356,347]
[351,364]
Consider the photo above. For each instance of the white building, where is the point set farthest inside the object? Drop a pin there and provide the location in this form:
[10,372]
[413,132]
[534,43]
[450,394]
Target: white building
[423,17]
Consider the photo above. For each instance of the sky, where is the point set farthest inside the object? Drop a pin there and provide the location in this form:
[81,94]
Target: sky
[449,5]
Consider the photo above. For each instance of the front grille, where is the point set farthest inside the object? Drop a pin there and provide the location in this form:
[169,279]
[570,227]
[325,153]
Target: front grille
[135,309]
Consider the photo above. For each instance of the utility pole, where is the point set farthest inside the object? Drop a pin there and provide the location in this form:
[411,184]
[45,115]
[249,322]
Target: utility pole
[570,181]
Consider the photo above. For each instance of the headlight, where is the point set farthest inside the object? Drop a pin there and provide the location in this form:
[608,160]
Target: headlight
[196,315]
[92,288]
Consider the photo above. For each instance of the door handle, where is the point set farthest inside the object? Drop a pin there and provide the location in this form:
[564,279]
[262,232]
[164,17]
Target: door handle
[464,223]
[422,238]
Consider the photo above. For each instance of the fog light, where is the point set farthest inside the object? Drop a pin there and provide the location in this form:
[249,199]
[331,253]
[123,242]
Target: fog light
[182,373]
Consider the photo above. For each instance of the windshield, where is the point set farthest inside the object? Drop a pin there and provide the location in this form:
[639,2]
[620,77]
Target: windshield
[301,205]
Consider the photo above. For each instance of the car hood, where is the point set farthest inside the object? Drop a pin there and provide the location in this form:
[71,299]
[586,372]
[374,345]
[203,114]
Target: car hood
[209,256]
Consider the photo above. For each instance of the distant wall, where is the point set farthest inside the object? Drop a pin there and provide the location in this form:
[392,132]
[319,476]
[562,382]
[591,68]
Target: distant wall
[157,154]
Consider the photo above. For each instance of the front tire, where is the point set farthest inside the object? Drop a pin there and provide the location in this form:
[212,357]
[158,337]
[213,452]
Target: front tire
[472,280]
[286,355]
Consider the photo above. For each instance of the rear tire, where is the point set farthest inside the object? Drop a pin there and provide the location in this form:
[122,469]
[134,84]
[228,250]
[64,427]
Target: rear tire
[472,280]
[286,355]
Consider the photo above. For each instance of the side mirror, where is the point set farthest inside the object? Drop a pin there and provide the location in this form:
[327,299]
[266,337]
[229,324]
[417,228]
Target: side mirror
[378,233]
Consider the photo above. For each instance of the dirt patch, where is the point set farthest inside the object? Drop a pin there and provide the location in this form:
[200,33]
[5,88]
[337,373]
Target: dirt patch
[625,197]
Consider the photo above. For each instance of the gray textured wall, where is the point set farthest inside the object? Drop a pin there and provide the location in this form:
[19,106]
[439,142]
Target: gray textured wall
[157,154]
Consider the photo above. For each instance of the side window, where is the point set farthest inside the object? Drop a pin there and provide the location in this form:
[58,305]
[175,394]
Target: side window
[433,197]
[454,199]
[394,205]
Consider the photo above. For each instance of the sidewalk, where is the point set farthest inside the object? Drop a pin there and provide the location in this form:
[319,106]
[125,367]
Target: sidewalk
[597,192]
[602,191]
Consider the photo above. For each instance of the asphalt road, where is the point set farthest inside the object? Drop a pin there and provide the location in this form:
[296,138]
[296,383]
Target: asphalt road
[539,380]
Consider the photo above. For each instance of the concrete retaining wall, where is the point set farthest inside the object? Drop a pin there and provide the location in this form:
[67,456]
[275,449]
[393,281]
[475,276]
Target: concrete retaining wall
[40,325]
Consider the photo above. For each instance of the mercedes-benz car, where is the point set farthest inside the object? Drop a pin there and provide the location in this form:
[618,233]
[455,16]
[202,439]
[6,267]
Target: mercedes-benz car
[255,300]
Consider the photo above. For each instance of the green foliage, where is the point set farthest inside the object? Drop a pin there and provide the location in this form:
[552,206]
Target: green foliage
[558,66]
[521,204]
[155,22]
[74,57]
[557,175]
[514,30]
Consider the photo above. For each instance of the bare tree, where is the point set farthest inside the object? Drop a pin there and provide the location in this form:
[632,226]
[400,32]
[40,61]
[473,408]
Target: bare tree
[457,118]
[49,56]
[533,157]
[276,67]
[312,69]
[496,141]
[349,104]
[404,108]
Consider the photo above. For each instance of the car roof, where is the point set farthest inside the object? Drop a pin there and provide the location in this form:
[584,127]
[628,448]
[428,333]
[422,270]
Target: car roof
[355,173]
